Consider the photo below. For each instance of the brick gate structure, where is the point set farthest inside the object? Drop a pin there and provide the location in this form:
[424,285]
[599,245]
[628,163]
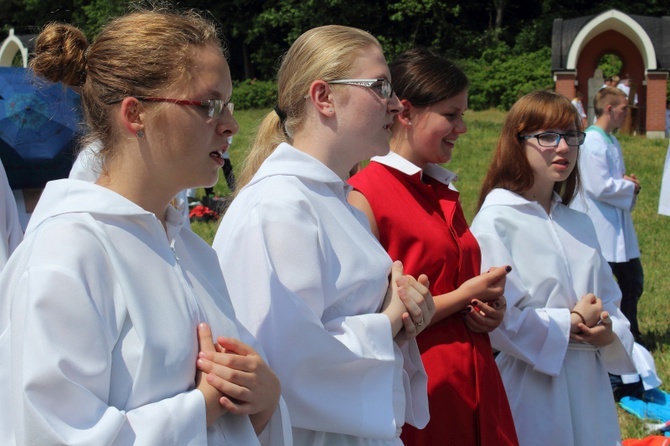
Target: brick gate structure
[641,42]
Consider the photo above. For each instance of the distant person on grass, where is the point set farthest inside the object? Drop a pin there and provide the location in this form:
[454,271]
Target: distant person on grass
[664,197]
[610,195]
[11,233]
[579,106]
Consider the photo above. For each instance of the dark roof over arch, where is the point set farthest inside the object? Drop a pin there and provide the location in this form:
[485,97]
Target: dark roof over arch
[28,40]
[564,33]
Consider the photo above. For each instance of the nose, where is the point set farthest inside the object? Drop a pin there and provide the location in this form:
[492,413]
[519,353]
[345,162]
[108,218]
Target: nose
[461,126]
[394,105]
[562,146]
[227,124]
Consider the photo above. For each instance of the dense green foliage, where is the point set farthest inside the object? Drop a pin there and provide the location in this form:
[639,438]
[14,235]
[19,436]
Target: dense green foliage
[252,93]
[610,64]
[499,77]
[503,45]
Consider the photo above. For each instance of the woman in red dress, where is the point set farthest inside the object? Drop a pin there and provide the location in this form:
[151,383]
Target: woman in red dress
[416,215]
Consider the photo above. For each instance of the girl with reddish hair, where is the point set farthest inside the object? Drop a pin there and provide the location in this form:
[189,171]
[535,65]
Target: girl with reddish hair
[563,330]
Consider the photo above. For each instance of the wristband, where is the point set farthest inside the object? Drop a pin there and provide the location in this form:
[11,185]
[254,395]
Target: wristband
[580,315]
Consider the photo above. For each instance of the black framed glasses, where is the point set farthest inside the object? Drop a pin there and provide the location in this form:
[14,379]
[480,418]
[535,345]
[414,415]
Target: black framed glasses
[213,107]
[382,87]
[553,139]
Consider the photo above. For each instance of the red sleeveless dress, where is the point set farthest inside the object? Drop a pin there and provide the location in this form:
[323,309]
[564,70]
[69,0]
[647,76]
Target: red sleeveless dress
[423,225]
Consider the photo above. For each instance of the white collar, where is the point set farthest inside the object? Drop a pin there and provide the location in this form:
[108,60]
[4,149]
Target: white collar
[505,197]
[401,164]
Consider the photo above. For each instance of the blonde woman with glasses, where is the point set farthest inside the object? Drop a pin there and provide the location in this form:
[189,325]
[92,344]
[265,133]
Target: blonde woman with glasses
[306,276]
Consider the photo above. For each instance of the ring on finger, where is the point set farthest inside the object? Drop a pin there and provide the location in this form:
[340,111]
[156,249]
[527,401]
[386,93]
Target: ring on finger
[420,323]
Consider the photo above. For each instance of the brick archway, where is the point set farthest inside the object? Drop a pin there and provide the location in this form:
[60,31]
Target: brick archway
[578,45]
[613,42]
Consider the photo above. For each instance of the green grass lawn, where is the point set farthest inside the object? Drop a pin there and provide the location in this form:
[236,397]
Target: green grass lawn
[471,157]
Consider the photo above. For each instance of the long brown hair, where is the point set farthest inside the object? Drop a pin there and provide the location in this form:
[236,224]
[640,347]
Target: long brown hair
[510,168]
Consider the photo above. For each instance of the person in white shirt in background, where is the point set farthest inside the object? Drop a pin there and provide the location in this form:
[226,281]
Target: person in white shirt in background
[664,198]
[624,86]
[11,232]
[11,235]
[111,302]
[577,103]
[610,195]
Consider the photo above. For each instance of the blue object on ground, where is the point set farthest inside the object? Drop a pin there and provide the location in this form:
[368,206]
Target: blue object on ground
[654,405]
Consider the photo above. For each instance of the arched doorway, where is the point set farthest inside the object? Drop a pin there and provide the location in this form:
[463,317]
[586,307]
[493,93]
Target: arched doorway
[12,47]
[632,66]
[578,45]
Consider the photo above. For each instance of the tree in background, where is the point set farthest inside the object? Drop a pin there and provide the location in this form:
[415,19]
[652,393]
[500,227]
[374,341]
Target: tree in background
[610,64]
[503,45]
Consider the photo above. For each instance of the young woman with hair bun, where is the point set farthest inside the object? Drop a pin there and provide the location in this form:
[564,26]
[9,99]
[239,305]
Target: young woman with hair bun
[110,304]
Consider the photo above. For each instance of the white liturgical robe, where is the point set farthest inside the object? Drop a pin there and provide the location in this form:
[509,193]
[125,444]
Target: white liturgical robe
[98,323]
[664,197]
[607,197]
[557,389]
[307,278]
[11,233]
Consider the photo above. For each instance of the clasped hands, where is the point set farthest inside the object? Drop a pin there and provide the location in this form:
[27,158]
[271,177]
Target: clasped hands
[589,323]
[408,304]
[235,379]
[485,312]
[635,181]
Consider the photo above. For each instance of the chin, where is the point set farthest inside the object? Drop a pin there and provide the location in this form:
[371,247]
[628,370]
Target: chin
[208,181]
[381,151]
[440,159]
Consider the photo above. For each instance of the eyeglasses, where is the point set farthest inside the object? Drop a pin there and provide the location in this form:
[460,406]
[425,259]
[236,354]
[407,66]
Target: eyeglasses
[553,139]
[213,107]
[380,86]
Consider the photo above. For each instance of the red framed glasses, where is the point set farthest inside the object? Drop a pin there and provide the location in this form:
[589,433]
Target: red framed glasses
[213,107]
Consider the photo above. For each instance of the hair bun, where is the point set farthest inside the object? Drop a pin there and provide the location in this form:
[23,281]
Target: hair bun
[60,54]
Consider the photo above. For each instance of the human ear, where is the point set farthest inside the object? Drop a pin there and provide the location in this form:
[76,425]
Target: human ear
[321,96]
[405,116]
[132,116]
